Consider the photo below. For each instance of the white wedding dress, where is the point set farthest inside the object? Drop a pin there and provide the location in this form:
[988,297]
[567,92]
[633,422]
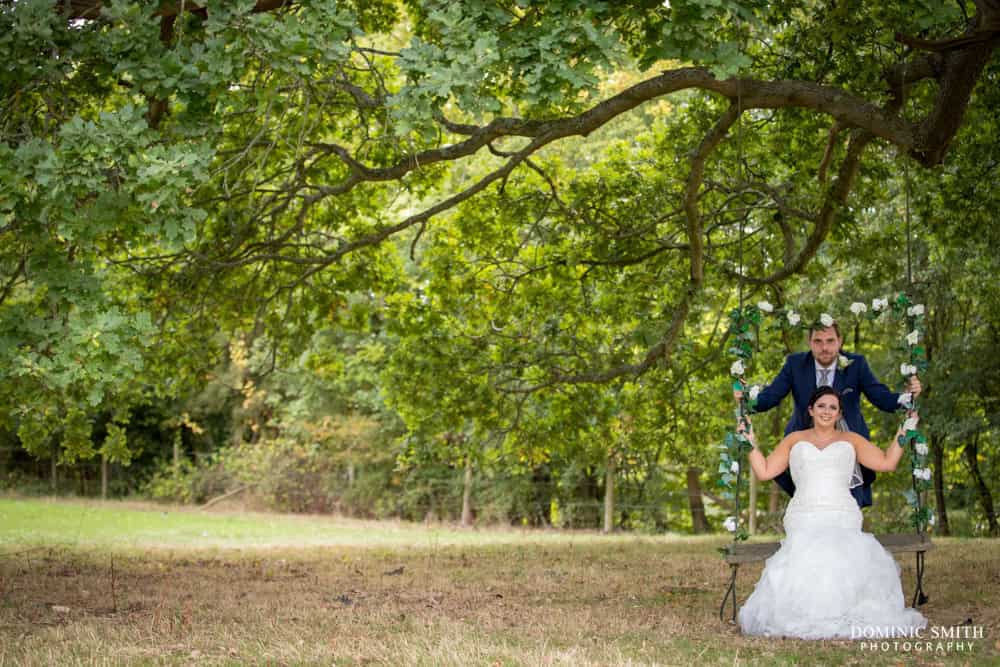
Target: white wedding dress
[828,579]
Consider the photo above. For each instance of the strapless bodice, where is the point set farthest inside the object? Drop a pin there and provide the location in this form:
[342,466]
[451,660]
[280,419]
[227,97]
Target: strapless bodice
[822,476]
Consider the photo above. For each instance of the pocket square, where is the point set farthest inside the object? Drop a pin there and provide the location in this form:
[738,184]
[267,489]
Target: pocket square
[846,391]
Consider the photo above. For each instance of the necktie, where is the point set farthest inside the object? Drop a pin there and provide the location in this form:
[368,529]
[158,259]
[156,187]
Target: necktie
[824,377]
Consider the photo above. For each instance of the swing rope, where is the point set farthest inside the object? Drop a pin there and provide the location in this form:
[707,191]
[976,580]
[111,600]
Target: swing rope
[741,410]
[911,444]
[919,596]
[906,191]
[741,174]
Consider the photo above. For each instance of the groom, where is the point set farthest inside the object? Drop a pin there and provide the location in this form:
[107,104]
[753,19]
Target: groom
[849,374]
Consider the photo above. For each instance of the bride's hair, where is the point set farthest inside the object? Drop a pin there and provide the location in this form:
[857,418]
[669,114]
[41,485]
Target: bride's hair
[829,391]
[820,392]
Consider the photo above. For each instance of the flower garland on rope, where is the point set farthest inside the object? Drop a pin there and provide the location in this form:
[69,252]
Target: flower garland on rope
[744,326]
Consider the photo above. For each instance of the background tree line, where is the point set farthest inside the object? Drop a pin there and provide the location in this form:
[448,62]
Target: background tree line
[443,259]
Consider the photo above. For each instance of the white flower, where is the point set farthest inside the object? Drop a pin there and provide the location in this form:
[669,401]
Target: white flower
[735,468]
[921,448]
[922,473]
[930,520]
[880,304]
[793,318]
[826,320]
[915,310]
[730,524]
[913,337]
[843,361]
[765,306]
[907,369]
[906,400]
[857,308]
[910,424]
[754,392]
[737,368]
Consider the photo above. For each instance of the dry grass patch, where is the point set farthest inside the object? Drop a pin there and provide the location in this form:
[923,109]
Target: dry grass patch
[586,601]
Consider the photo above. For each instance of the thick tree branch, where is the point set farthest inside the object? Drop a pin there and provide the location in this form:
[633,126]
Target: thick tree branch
[695,178]
[961,70]
[158,107]
[12,282]
[660,352]
[833,203]
[831,143]
[958,72]
[657,353]
[847,109]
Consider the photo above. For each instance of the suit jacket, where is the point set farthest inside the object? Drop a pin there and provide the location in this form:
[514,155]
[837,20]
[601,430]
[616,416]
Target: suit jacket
[798,376]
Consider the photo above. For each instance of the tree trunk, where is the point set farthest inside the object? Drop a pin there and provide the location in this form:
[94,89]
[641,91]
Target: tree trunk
[541,497]
[55,459]
[699,522]
[774,493]
[104,477]
[609,495]
[177,452]
[985,498]
[467,494]
[773,498]
[941,511]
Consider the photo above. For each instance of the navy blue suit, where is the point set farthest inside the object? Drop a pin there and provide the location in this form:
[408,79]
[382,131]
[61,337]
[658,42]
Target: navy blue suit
[798,376]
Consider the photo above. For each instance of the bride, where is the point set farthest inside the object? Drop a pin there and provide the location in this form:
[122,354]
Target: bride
[828,579]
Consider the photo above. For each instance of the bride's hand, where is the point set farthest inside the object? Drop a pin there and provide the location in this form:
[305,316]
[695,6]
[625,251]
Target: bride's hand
[745,426]
[911,421]
[909,424]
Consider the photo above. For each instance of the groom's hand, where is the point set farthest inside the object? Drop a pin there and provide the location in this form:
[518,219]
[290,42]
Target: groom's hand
[914,386]
[737,395]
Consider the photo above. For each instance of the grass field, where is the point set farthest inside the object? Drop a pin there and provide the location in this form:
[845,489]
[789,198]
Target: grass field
[114,583]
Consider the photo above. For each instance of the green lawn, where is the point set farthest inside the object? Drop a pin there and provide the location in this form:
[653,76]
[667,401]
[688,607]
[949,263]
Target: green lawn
[121,583]
[33,521]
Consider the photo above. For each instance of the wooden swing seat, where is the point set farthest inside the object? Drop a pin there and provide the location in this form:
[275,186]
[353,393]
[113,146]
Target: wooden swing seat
[738,553]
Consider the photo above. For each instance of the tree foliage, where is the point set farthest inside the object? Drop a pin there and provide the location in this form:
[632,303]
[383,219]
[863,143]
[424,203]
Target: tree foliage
[547,205]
